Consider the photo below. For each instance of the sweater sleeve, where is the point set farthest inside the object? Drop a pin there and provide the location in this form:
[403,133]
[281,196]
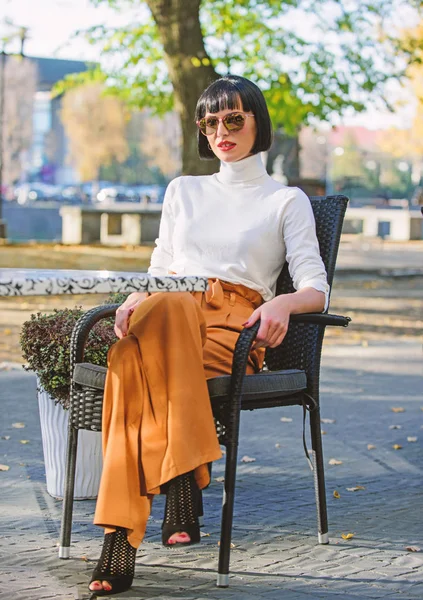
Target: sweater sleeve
[302,248]
[162,255]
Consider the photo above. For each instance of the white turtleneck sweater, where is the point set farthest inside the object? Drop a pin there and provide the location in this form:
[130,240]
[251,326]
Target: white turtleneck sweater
[239,225]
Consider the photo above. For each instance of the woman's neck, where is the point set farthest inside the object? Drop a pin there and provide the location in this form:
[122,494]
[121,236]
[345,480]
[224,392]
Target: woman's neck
[243,170]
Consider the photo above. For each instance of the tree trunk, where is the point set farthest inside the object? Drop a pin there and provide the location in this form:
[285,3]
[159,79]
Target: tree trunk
[190,70]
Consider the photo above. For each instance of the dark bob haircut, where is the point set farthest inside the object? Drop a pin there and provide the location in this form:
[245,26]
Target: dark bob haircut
[225,93]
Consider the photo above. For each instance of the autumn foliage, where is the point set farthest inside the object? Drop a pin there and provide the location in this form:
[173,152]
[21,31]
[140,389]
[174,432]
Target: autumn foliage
[95,123]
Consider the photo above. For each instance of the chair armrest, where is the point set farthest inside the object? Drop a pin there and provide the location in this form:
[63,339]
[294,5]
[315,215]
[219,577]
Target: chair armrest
[83,327]
[321,319]
[249,334]
[240,357]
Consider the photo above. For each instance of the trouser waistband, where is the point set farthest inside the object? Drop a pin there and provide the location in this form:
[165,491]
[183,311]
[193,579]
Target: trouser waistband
[219,290]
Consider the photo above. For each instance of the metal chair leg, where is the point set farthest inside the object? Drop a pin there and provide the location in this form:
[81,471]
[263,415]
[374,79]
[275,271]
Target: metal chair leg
[319,476]
[239,366]
[227,515]
[67,507]
[228,497]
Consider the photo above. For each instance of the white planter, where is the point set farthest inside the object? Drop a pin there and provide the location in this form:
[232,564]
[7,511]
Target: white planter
[54,432]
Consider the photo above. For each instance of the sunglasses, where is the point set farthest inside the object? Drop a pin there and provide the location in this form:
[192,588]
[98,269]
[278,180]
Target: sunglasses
[233,121]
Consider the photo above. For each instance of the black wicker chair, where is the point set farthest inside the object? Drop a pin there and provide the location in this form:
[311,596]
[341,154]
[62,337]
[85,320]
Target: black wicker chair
[291,378]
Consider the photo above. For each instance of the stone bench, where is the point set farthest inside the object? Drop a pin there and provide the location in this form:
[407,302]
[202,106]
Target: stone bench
[394,223]
[113,225]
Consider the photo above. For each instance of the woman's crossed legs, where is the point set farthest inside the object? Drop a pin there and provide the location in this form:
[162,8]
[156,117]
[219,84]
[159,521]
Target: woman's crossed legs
[155,397]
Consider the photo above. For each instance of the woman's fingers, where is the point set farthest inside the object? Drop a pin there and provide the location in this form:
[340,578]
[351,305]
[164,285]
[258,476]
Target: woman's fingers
[264,333]
[275,341]
[122,321]
[277,335]
[274,316]
[119,327]
[271,335]
[125,310]
[123,314]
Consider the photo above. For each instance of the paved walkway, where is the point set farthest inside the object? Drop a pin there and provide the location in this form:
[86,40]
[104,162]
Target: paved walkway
[275,555]
[376,256]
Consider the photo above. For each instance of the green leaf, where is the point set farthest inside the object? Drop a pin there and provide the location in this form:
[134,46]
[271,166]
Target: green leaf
[344,59]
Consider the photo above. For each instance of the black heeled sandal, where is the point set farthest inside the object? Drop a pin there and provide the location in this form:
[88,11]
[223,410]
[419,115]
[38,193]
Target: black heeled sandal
[181,511]
[116,564]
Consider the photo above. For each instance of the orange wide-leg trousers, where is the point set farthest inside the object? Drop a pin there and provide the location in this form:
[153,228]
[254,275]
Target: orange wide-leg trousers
[157,418]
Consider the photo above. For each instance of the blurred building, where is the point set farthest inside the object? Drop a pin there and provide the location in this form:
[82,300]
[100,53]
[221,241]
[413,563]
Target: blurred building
[46,160]
[364,164]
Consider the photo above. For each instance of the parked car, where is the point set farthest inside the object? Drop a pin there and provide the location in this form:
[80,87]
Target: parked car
[117,193]
[74,194]
[90,189]
[29,193]
[150,193]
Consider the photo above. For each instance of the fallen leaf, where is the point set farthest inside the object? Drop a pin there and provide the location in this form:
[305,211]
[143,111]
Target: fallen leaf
[370,447]
[356,488]
[347,536]
[336,494]
[247,459]
[277,445]
[220,479]
[204,534]
[411,438]
[327,421]
[4,468]
[323,432]
[397,447]
[334,461]
[83,557]
[5,437]
[18,425]
[413,548]
[7,331]
[24,441]
[286,420]
[397,409]
[395,426]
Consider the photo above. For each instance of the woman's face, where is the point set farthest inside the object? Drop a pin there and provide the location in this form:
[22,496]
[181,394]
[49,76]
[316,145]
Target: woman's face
[231,146]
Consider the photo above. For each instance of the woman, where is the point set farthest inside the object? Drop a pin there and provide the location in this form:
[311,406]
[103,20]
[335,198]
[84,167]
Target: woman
[236,227]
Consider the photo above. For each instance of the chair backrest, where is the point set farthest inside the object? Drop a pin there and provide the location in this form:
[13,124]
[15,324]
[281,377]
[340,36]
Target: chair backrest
[301,347]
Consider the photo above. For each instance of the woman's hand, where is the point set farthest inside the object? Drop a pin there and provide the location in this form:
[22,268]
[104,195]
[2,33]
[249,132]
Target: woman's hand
[125,310]
[274,315]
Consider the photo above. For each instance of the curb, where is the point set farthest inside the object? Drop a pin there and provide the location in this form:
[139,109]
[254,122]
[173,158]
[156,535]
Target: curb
[382,272]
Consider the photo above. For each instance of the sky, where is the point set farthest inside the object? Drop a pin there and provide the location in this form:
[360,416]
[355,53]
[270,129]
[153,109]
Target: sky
[52,23]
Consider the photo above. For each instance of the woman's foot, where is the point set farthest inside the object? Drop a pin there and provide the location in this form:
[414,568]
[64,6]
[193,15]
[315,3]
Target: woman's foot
[181,537]
[180,525]
[114,572]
